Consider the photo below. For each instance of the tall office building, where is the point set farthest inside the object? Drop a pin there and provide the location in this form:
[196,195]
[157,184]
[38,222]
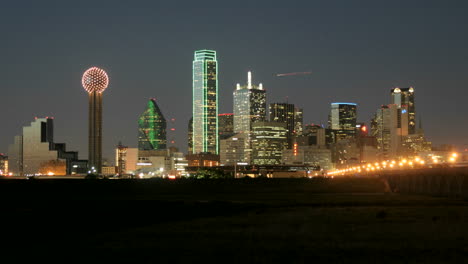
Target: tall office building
[298,121]
[205,102]
[152,128]
[249,105]
[390,129]
[95,81]
[285,113]
[404,99]
[342,120]
[268,142]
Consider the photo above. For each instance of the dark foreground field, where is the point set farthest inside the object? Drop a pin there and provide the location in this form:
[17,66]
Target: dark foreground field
[242,221]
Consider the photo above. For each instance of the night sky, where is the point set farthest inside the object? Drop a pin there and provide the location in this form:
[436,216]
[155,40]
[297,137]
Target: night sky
[357,51]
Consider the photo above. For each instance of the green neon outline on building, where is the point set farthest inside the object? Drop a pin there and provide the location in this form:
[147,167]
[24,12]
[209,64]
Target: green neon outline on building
[205,102]
[152,128]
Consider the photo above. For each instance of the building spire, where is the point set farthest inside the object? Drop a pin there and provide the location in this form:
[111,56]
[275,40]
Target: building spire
[249,80]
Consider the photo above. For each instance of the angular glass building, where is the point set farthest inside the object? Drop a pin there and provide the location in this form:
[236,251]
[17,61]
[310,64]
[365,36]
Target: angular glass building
[205,102]
[152,128]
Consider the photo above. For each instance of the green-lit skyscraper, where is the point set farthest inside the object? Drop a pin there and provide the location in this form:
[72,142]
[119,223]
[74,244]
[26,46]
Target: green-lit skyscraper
[152,128]
[205,102]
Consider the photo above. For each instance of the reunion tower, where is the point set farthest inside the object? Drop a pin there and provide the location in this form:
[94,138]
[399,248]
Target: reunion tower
[95,82]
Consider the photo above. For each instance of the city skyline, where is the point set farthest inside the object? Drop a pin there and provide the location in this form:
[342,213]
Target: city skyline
[334,78]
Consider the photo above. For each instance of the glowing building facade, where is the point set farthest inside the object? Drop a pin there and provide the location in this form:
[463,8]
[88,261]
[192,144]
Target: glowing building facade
[126,159]
[152,128]
[249,106]
[3,164]
[390,130]
[232,150]
[268,142]
[404,99]
[298,121]
[205,102]
[285,113]
[342,120]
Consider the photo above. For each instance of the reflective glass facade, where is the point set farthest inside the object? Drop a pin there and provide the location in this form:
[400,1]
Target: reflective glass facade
[152,128]
[343,119]
[205,102]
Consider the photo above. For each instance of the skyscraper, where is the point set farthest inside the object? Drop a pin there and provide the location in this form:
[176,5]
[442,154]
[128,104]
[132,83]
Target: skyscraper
[249,105]
[152,128]
[268,142]
[249,108]
[95,82]
[205,102]
[390,130]
[342,120]
[404,99]
[298,121]
[285,113]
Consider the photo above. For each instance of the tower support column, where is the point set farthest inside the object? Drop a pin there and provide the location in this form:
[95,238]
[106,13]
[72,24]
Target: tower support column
[95,131]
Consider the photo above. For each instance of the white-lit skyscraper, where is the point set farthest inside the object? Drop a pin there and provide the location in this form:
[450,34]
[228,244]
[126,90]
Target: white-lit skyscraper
[404,99]
[249,105]
[249,108]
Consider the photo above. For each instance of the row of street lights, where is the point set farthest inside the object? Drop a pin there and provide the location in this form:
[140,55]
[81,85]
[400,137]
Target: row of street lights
[404,163]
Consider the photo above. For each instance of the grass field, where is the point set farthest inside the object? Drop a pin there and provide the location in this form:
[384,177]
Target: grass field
[236,221]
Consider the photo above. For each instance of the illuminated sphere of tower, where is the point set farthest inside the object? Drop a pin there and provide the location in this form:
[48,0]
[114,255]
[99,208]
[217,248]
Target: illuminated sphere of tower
[95,80]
